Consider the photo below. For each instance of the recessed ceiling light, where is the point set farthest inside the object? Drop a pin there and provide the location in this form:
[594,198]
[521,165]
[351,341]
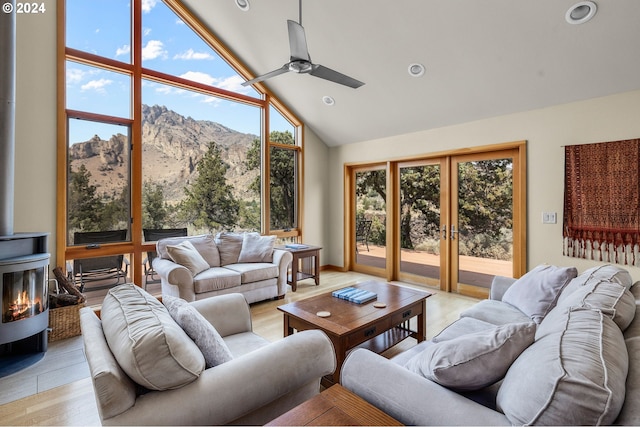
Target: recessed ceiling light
[581,12]
[327,100]
[416,70]
[243,5]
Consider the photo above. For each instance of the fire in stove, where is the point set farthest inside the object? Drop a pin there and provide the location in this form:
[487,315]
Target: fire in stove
[23,307]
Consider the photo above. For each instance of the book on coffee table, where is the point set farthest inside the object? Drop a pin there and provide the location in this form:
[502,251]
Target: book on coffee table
[359,296]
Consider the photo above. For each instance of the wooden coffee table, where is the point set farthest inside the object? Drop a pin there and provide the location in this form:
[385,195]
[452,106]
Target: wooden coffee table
[353,325]
[336,406]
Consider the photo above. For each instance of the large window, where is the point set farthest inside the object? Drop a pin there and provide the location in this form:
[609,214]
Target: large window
[157,132]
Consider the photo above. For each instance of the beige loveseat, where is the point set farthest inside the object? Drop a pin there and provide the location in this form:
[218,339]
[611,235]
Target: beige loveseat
[245,263]
[206,367]
[573,359]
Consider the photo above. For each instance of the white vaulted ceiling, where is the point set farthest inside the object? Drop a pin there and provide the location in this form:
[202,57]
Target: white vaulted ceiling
[483,58]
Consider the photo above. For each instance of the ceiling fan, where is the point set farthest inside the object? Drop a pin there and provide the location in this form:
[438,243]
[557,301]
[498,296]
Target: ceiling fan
[300,61]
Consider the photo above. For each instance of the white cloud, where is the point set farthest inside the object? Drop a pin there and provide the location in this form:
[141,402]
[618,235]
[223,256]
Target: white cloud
[97,85]
[147,5]
[199,77]
[191,54]
[146,31]
[124,50]
[234,84]
[153,50]
[74,75]
[179,21]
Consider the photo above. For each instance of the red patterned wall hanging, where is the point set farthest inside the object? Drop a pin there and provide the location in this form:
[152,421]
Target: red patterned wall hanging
[602,202]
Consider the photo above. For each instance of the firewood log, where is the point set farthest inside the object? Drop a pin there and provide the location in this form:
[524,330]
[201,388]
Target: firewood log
[62,300]
[66,285]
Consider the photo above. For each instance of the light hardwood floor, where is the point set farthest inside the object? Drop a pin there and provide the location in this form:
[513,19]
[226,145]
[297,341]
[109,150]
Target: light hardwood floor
[74,404]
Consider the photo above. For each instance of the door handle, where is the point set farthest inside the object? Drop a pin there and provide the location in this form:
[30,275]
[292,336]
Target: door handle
[453,232]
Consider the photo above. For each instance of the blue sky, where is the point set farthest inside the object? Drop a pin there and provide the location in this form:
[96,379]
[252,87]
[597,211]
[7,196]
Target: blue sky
[103,27]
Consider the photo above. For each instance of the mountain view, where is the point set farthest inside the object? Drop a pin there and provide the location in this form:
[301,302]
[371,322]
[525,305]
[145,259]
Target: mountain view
[172,145]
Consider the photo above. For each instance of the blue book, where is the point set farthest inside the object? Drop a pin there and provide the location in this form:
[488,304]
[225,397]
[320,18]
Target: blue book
[340,292]
[366,297]
[347,295]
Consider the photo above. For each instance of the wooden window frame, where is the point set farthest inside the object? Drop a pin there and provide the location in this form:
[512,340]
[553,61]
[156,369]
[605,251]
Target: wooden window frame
[136,247]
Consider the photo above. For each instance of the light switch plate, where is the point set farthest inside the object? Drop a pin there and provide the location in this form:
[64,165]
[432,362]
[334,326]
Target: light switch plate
[549,218]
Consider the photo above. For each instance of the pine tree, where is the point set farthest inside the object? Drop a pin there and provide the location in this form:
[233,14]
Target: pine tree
[209,202]
[84,205]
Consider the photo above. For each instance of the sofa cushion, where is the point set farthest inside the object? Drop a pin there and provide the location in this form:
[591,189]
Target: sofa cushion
[608,272]
[147,343]
[495,312]
[474,361]
[216,278]
[204,244]
[255,272]
[462,326]
[574,375]
[257,248]
[536,292]
[613,299]
[229,246]
[184,253]
[206,337]
[630,413]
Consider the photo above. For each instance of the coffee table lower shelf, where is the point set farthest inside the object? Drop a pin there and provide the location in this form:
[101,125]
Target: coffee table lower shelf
[387,339]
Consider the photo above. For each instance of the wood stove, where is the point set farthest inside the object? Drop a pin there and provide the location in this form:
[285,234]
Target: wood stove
[24,273]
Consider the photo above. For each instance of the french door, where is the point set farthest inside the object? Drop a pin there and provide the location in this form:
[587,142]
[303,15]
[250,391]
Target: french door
[452,222]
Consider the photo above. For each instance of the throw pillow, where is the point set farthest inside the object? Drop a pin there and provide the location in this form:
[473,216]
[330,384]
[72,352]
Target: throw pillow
[257,248]
[206,337]
[613,299]
[574,375]
[184,253]
[611,273]
[474,361]
[536,292]
[229,246]
[148,344]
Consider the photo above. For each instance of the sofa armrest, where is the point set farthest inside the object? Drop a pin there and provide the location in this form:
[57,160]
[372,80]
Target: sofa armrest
[176,279]
[239,387]
[229,314]
[282,259]
[499,286]
[408,397]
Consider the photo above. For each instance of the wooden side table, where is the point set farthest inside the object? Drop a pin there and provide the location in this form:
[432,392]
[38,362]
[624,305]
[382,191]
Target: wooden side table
[336,406]
[305,264]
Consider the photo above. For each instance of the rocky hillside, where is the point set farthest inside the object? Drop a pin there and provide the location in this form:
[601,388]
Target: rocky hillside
[172,145]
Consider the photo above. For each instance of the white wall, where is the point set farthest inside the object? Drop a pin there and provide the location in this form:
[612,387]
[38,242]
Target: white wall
[546,130]
[35,169]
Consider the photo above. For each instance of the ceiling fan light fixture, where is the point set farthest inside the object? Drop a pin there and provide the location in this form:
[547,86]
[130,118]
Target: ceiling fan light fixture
[328,101]
[581,12]
[243,5]
[416,70]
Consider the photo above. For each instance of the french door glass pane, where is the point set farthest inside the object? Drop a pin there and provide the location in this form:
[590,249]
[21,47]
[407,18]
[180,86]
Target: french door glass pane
[371,218]
[485,221]
[420,234]
[99,170]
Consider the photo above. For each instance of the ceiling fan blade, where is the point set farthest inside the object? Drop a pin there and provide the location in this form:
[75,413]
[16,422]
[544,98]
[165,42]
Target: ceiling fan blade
[334,76]
[282,70]
[297,42]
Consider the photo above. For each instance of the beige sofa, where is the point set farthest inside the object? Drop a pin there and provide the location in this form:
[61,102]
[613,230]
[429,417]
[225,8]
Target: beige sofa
[245,263]
[578,361]
[147,370]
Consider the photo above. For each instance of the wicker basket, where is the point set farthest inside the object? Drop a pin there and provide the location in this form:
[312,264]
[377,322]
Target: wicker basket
[64,322]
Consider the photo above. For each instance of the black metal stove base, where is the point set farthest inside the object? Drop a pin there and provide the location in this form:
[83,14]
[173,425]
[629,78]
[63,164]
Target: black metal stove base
[18,355]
